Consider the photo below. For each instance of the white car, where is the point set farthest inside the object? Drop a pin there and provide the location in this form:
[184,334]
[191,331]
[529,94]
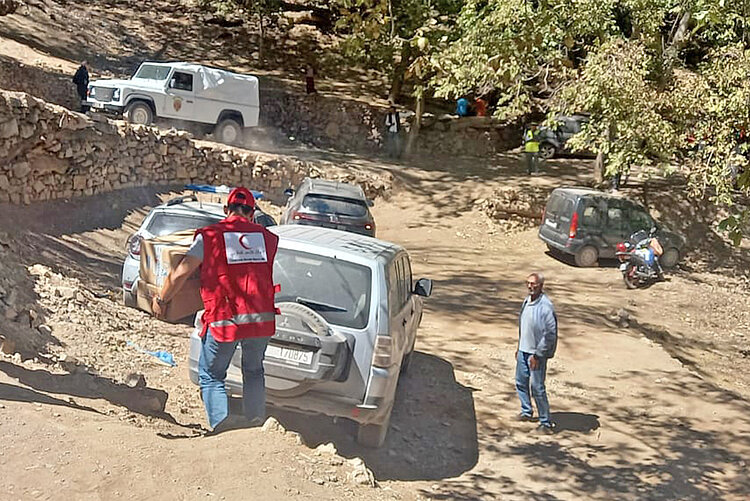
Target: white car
[349,311]
[223,102]
[183,213]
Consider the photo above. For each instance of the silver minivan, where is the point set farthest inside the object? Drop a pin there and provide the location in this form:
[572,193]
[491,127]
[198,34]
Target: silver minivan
[347,328]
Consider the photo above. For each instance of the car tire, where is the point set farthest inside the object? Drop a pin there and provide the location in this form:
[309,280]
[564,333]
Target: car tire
[228,131]
[587,257]
[670,258]
[139,113]
[547,151]
[129,299]
[406,362]
[373,435]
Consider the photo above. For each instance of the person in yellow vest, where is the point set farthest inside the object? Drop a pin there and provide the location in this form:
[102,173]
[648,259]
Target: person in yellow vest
[531,149]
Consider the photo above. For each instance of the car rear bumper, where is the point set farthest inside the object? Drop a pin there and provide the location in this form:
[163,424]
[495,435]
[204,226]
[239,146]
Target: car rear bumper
[374,408]
[569,246]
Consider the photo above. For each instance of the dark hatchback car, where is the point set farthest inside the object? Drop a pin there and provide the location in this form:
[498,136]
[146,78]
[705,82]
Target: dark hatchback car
[330,204]
[588,224]
[553,140]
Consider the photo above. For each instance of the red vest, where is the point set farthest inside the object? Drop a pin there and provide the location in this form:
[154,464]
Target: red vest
[237,279]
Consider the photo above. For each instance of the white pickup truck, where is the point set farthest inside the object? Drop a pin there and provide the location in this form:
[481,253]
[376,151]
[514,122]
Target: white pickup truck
[221,102]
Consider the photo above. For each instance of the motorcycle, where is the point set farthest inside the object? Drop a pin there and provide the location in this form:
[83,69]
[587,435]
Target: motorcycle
[639,259]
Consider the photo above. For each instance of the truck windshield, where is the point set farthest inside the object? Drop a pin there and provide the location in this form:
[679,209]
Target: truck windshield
[337,290]
[153,72]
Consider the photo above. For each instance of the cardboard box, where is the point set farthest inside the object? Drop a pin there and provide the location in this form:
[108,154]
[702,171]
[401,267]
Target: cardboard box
[160,255]
[187,301]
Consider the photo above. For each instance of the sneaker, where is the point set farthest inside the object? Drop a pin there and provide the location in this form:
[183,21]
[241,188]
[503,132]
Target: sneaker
[525,418]
[231,423]
[545,429]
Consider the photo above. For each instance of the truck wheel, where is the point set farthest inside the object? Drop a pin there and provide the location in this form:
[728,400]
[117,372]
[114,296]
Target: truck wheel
[129,299]
[373,435]
[586,257]
[547,151]
[139,113]
[229,131]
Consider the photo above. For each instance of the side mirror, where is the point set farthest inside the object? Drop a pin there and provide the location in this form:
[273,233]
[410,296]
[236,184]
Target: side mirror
[289,192]
[423,287]
[172,83]
[370,203]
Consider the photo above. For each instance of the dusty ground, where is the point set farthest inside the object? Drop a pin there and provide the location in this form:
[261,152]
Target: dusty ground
[652,408]
[656,410]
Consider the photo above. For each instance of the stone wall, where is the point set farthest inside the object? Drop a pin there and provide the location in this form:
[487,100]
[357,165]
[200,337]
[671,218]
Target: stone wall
[48,152]
[319,120]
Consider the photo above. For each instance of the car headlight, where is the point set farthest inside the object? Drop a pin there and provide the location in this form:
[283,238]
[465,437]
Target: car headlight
[116,95]
[92,91]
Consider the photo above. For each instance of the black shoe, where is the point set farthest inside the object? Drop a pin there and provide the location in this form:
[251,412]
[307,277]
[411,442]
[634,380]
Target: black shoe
[232,423]
[525,418]
[545,429]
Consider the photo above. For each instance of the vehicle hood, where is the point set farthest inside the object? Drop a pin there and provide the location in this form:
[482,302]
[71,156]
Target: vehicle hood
[134,83]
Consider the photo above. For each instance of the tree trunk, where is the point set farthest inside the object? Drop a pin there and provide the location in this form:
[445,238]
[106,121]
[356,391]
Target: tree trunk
[417,123]
[399,70]
[599,168]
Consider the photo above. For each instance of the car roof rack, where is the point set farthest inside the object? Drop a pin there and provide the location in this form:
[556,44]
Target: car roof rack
[223,189]
[180,200]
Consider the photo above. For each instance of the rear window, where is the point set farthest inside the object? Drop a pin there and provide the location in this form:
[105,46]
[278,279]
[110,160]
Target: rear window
[559,205]
[164,224]
[338,290]
[327,204]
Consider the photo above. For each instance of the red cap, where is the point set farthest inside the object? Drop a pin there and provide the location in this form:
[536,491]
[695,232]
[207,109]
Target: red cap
[241,196]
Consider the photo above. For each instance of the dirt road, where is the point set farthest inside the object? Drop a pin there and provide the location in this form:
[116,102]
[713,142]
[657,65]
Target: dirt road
[641,412]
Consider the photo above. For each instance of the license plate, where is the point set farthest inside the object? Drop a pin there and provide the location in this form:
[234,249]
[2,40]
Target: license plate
[550,223]
[99,105]
[290,355]
[623,266]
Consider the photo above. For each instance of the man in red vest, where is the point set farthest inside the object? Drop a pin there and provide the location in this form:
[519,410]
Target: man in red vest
[235,257]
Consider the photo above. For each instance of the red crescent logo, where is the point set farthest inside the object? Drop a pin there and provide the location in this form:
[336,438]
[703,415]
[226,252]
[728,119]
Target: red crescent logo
[243,244]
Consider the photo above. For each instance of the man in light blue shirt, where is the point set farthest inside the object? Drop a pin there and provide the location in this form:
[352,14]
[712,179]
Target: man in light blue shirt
[537,342]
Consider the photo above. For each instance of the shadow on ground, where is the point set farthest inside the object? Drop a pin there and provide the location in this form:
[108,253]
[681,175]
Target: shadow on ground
[141,400]
[432,432]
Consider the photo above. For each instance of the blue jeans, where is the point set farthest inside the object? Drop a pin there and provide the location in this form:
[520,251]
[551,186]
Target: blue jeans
[525,377]
[212,371]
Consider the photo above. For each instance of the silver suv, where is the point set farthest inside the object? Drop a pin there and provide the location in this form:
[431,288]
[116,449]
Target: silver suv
[347,328]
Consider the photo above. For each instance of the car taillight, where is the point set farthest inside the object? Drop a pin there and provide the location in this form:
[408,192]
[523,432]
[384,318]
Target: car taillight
[382,355]
[370,226]
[300,215]
[573,226]
[134,245]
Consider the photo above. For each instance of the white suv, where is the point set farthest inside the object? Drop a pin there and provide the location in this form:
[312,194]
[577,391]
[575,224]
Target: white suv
[221,102]
[349,313]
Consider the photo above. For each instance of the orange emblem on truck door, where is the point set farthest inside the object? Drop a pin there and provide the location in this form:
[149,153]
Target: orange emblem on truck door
[177,103]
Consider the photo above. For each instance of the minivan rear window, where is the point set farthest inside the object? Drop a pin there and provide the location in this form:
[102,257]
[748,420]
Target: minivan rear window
[338,290]
[327,204]
[559,205]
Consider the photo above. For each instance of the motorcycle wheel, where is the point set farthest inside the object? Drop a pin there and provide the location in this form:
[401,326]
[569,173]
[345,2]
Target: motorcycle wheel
[631,282]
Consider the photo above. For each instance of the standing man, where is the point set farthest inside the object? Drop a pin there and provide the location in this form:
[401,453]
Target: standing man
[393,132]
[531,149]
[81,80]
[310,79]
[235,257]
[537,341]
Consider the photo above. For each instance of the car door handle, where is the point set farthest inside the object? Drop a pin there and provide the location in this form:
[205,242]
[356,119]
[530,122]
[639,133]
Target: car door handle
[190,101]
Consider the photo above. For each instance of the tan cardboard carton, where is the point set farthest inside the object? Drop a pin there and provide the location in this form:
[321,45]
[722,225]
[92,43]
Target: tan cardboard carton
[187,301]
[159,255]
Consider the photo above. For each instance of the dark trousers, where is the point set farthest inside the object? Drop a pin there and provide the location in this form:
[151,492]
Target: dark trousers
[532,161]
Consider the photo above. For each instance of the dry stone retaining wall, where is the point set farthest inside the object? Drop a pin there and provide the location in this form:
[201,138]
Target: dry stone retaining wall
[48,152]
[323,121]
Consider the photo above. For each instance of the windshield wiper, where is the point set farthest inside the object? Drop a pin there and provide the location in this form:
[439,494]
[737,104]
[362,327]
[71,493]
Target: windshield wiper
[319,306]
